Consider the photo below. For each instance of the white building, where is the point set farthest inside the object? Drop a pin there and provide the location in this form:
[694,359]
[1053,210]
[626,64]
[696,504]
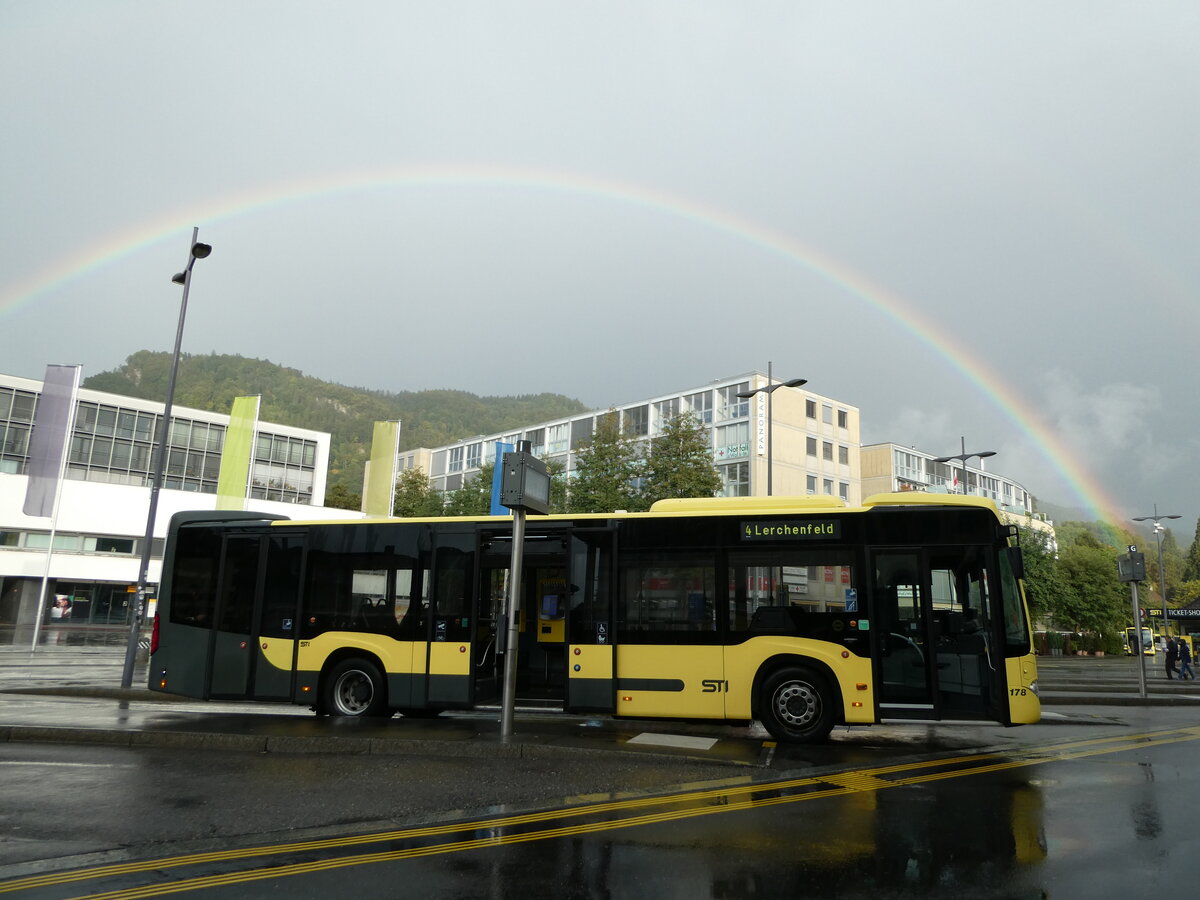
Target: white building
[104,500]
[813,446]
[893,467]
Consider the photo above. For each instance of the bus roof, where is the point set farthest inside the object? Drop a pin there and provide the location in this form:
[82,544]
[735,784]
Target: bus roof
[715,506]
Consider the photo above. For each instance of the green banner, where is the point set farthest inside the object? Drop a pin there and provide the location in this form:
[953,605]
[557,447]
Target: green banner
[380,487]
[235,458]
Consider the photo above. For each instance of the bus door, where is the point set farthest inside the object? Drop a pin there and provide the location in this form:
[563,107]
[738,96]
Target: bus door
[935,629]
[589,647]
[454,641]
[252,649]
[543,596]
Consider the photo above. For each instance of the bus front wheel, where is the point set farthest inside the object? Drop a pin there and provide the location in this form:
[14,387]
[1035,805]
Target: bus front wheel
[355,687]
[795,706]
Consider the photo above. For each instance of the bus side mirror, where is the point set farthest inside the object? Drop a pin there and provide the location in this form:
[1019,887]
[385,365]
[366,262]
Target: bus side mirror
[1016,559]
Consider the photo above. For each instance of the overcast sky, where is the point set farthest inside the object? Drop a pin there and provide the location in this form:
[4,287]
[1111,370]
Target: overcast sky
[966,219]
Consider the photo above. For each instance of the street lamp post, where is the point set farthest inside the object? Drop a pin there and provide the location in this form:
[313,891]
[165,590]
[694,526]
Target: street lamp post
[1159,528]
[963,457]
[197,251]
[770,389]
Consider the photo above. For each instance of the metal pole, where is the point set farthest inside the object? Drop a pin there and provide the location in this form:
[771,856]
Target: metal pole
[139,603]
[1162,577]
[1138,649]
[514,608]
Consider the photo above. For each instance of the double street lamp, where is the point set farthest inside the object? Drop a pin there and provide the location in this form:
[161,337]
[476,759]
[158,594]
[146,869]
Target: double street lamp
[963,457]
[1159,528]
[769,389]
[197,251]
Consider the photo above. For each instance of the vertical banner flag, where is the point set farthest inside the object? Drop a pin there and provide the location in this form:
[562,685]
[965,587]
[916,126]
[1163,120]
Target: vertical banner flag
[498,508]
[380,490]
[235,457]
[48,440]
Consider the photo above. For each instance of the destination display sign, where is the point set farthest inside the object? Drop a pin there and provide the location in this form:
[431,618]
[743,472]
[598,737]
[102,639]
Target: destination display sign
[796,530]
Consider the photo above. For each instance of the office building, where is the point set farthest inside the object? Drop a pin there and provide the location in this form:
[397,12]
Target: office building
[104,497]
[813,440]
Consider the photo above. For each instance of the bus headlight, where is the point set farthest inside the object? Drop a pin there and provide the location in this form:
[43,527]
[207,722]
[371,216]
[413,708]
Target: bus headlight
[1033,687]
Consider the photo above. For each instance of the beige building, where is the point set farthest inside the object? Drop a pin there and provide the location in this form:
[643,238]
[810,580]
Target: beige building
[812,441]
[892,467]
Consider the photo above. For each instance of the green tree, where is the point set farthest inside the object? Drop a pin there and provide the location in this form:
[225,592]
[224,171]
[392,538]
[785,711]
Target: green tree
[605,470]
[680,463]
[1191,563]
[1043,582]
[1173,563]
[558,485]
[1092,598]
[415,496]
[474,498]
[341,497]
[1187,593]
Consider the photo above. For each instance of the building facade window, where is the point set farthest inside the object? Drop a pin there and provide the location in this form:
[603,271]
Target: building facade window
[730,405]
[558,438]
[735,479]
[537,441]
[909,466]
[637,421]
[843,418]
[843,454]
[665,410]
[475,455]
[810,446]
[701,405]
[810,408]
[732,441]
[827,451]
[456,459]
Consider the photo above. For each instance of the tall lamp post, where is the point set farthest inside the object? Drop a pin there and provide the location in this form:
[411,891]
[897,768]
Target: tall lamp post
[1159,528]
[963,457]
[769,390]
[197,251]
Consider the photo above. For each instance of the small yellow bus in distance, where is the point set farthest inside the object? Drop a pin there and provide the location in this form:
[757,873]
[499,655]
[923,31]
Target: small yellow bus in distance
[800,612]
[1131,642]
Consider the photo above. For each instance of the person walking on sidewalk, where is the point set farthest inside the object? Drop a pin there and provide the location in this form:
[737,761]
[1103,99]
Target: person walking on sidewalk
[1185,660]
[1172,655]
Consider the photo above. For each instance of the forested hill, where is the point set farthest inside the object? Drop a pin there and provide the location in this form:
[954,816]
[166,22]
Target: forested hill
[429,418]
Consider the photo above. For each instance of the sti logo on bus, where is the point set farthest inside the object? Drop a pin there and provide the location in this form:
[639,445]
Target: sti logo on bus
[761,530]
[714,686]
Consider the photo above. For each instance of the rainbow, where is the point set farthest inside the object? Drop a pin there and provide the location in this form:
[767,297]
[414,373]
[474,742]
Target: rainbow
[923,329]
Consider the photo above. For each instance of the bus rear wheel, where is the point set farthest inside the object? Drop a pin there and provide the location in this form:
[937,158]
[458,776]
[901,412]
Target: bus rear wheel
[355,688]
[795,706]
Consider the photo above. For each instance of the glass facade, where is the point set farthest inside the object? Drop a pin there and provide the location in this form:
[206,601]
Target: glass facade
[118,445]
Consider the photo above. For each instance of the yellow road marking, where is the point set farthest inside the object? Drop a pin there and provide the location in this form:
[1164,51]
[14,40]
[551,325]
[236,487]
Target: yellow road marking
[698,803]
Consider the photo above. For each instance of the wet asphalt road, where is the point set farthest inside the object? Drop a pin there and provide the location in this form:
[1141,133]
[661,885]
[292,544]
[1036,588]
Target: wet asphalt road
[1097,801]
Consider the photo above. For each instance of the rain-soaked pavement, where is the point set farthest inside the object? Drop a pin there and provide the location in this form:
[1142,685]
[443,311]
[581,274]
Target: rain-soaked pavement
[237,800]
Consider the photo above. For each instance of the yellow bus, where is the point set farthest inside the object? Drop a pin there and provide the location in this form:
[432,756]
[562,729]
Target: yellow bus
[802,613]
[1131,642]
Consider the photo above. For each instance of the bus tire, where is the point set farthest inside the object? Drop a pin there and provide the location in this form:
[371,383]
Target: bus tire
[355,688]
[795,706]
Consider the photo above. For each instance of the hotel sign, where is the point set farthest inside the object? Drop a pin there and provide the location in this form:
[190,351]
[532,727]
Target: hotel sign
[760,423]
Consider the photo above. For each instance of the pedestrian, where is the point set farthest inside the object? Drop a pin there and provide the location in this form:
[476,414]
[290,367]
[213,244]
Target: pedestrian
[1185,660]
[1172,655]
